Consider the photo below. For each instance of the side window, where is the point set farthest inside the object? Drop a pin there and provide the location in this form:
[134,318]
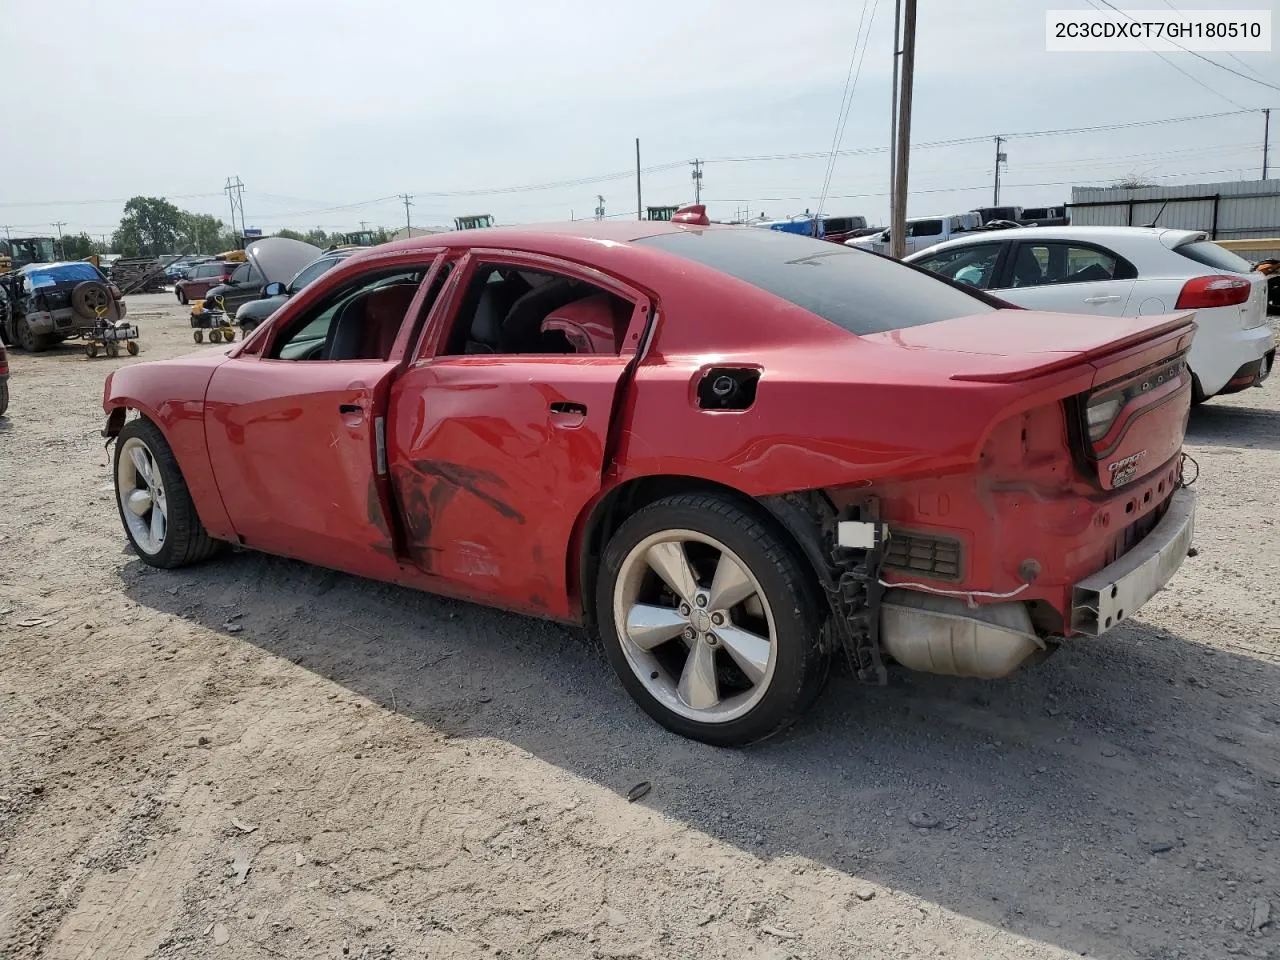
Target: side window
[972,265]
[511,310]
[310,273]
[240,274]
[924,228]
[358,321]
[1043,263]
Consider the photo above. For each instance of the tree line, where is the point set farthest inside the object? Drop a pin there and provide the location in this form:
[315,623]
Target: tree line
[152,226]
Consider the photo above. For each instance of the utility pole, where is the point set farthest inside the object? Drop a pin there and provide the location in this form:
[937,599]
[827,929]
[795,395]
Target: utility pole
[893,110]
[1000,158]
[1266,139]
[599,206]
[898,228]
[364,224]
[235,193]
[697,180]
[62,250]
[408,202]
[639,208]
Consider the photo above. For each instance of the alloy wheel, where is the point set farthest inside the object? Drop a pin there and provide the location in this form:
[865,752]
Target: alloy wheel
[695,626]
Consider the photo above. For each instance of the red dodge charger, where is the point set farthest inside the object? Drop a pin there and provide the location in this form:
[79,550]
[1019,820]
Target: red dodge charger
[734,453]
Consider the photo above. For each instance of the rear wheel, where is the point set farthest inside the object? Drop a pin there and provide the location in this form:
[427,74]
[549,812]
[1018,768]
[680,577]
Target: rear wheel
[710,620]
[215,335]
[182,296]
[4,396]
[112,349]
[91,350]
[155,506]
[132,347]
[198,336]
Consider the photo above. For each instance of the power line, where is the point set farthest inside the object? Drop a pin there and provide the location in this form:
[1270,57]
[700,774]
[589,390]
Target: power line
[1197,55]
[846,101]
[1169,4]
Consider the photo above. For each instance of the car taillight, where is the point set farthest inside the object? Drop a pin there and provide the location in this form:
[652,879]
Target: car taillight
[1202,293]
[1101,413]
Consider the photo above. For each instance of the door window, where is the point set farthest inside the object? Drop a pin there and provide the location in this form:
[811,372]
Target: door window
[240,274]
[509,310]
[924,228]
[1038,264]
[972,265]
[358,321]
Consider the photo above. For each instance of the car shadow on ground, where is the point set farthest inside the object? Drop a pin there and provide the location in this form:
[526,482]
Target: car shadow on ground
[1121,784]
[1215,424]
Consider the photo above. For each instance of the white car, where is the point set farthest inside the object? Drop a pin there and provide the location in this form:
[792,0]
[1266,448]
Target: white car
[922,232]
[1126,272]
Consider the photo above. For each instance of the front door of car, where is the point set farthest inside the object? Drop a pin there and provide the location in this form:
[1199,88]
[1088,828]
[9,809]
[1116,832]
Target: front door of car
[1067,277]
[497,445]
[296,432]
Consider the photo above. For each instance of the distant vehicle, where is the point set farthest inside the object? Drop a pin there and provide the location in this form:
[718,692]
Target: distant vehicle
[473,222]
[267,260]
[201,278]
[275,295]
[999,213]
[1129,272]
[922,233]
[1044,217]
[840,229]
[835,229]
[45,303]
[17,252]
[180,268]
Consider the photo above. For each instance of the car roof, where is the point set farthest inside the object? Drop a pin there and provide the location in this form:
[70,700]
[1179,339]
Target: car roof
[588,231]
[30,267]
[1163,235]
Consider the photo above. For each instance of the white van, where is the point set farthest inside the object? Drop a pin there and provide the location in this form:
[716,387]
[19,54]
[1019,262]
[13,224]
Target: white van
[923,232]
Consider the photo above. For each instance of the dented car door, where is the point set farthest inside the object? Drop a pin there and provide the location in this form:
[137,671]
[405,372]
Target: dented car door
[493,458]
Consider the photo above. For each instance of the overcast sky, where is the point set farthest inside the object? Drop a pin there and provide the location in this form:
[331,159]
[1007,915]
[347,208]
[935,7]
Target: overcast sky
[317,105]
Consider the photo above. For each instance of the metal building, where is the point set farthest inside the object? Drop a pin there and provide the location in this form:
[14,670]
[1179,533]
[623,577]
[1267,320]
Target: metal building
[1236,210]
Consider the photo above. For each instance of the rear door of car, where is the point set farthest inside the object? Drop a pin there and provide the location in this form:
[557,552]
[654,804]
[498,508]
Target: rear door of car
[493,455]
[1067,276]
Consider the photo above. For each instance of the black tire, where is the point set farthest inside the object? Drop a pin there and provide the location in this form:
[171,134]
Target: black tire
[4,396]
[186,541]
[28,340]
[802,664]
[182,297]
[1197,392]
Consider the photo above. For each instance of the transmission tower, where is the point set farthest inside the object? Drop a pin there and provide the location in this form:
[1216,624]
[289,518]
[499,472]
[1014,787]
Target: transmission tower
[235,193]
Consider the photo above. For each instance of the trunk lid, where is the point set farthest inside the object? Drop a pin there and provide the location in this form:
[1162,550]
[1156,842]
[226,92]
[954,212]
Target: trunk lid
[1126,392]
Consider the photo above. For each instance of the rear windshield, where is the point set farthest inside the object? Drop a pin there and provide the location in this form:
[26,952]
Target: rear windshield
[854,289]
[1212,255]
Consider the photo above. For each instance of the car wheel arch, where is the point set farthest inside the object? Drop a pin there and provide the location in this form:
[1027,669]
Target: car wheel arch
[792,517]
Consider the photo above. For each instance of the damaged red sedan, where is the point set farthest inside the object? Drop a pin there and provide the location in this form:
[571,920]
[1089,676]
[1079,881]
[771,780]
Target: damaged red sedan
[733,453]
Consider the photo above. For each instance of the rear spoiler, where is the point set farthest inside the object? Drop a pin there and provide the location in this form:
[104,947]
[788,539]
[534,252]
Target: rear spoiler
[1177,323]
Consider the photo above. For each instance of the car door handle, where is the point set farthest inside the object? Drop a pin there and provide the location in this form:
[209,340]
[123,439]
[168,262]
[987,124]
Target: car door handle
[1108,299]
[352,414]
[345,408]
[564,408]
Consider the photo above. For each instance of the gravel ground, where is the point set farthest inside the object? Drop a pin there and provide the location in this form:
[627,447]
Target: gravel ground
[257,758]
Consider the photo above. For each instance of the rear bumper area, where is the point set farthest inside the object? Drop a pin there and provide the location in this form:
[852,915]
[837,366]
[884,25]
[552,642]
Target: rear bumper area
[1115,592]
[1251,374]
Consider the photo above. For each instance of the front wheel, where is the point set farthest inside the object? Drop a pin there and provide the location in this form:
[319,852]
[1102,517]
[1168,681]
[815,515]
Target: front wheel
[182,296]
[155,506]
[198,336]
[4,396]
[710,620]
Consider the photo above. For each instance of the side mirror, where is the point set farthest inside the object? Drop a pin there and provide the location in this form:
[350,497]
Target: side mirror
[275,289]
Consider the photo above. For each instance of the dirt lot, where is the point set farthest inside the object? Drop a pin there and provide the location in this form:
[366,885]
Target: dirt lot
[257,758]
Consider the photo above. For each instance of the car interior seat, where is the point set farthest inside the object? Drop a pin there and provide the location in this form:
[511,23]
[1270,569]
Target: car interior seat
[1026,269]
